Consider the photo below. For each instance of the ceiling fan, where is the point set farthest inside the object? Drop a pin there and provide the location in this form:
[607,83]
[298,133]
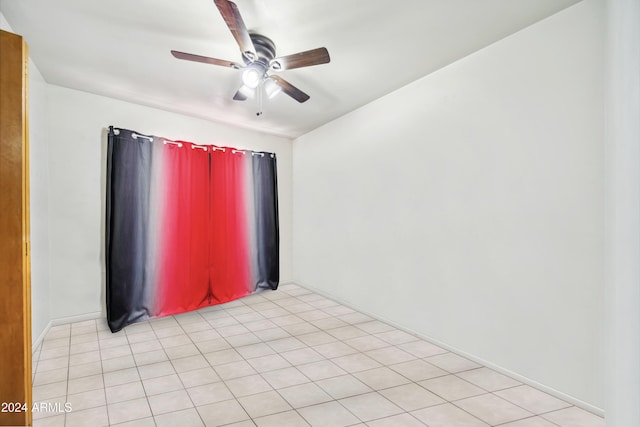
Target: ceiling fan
[259,56]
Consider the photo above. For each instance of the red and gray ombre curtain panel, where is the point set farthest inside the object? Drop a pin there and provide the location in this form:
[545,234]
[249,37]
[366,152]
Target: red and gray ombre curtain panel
[187,226]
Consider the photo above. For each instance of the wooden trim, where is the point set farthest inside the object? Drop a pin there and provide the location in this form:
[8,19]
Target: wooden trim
[15,277]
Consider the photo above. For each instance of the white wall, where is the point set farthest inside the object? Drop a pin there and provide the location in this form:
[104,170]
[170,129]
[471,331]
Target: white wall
[77,152]
[622,215]
[468,205]
[39,187]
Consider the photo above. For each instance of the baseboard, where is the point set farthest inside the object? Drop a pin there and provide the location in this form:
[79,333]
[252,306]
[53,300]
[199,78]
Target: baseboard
[36,343]
[553,392]
[77,318]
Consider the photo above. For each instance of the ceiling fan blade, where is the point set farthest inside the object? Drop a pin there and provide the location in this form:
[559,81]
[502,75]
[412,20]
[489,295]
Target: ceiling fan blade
[301,59]
[233,19]
[205,59]
[290,89]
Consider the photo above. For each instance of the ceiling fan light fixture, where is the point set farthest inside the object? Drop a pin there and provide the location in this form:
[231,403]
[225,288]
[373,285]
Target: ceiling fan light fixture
[251,77]
[271,88]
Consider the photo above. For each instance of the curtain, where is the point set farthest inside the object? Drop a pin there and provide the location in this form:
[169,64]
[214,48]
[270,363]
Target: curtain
[187,226]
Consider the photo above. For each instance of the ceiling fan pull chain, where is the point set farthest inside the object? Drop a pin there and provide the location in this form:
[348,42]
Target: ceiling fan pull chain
[259,91]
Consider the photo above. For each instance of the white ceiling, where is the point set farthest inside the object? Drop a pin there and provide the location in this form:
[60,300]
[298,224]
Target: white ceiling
[120,49]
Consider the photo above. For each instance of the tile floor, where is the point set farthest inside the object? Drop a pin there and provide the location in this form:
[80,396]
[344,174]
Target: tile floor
[284,358]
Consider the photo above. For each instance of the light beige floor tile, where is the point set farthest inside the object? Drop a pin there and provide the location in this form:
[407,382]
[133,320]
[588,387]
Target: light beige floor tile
[169,402]
[54,363]
[54,353]
[452,362]
[275,333]
[180,351]
[451,387]
[53,421]
[302,356]
[370,406]
[261,404]
[137,328]
[89,417]
[118,363]
[202,336]
[121,377]
[492,409]
[128,410]
[530,422]
[112,341]
[374,327]
[142,422]
[84,370]
[286,344]
[231,330]
[321,370]
[316,338]
[302,328]
[145,346]
[288,419]
[184,418]
[418,370]
[141,336]
[488,379]
[213,345]
[574,417]
[163,384]
[198,377]
[286,377]
[43,392]
[87,399]
[223,357]
[156,370]
[447,415]
[243,339]
[396,337]
[60,342]
[222,413]
[52,376]
[346,332]
[532,400]
[422,348]
[124,392]
[329,323]
[343,386]
[83,347]
[189,363]
[268,363]
[354,318]
[401,420]
[356,362]
[330,414]
[248,385]
[390,355]
[209,393]
[303,395]
[366,343]
[381,378]
[175,341]
[254,350]
[79,385]
[82,358]
[334,349]
[234,370]
[111,352]
[411,397]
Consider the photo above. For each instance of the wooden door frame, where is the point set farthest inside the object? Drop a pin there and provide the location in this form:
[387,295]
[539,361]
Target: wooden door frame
[15,271]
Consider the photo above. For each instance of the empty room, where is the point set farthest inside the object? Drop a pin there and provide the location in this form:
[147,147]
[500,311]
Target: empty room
[320,213]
